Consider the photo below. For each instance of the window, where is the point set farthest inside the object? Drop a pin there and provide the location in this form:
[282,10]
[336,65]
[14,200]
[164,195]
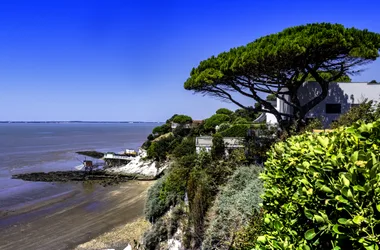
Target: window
[333,108]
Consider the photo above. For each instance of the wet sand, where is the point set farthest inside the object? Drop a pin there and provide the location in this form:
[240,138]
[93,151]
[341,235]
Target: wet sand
[73,217]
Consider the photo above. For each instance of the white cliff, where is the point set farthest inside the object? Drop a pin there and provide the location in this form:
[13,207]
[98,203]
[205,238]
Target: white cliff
[140,165]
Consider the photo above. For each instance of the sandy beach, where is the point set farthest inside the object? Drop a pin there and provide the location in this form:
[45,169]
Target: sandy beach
[73,217]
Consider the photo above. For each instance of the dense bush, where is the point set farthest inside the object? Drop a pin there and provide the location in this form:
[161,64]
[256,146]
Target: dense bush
[366,112]
[163,129]
[158,233]
[223,126]
[322,191]
[245,238]
[247,114]
[241,120]
[181,131]
[237,130]
[154,206]
[271,97]
[215,120]
[182,119]
[258,142]
[237,202]
[186,147]
[315,123]
[174,187]
[224,111]
[161,146]
[218,147]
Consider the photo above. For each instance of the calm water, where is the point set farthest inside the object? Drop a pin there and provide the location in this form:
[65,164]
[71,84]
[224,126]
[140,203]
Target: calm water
[49,147]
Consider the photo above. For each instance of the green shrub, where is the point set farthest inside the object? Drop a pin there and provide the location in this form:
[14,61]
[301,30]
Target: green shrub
[158,233]
[223,126]
[182,119]
[245,238]
[247,114]
[186,147]
[163,129]
[237,130]
[174,186]
[218,147]
[237,202]
[322,191]
[154,206]
[215,120]
[181,131]
[366,112]
[160,147]
[271,97]
[241,120]
[315,123]
[224,111]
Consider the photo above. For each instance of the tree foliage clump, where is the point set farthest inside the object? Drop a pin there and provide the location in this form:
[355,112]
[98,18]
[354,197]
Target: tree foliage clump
[280,63]
[322,192]
[186,147]
[241,120]
[237,130]
[182,119]
[224,111]
[367,111]
[163,129]
[236,203]
[215,120]
[160,147]
[155,207]
[218,148]
[248,114]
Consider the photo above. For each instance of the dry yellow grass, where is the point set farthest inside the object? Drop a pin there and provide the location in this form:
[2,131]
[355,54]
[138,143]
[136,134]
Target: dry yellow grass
[119,237]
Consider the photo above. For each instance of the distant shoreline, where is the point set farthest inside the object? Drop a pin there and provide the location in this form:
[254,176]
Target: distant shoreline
[75,122]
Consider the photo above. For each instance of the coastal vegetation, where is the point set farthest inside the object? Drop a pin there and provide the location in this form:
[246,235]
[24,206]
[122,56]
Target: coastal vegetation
[281,63]
[289,188]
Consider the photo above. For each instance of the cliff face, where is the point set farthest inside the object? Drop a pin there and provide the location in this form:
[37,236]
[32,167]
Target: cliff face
[139,165]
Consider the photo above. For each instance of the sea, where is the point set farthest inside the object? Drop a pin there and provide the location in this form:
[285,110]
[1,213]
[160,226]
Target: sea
[44,147]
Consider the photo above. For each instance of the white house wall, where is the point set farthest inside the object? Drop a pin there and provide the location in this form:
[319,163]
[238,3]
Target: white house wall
[345,94]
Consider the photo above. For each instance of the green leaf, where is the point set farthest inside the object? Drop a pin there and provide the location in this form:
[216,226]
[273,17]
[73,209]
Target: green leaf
[308,214]
[341,199]
[355,156]
[347,192]
[318,151]
[318,219]
[310,234]
[346,182]
[261,239]
[336,229]
[277,225]
[326,189]
[342,221]
[337,248]
[358,219]
[378,207]
[324,141]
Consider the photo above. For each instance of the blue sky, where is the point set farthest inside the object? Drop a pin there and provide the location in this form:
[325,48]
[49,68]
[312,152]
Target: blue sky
[127,60]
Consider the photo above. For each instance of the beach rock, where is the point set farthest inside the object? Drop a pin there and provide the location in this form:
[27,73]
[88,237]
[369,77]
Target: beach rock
[141,166]
[175,242]
[129,247]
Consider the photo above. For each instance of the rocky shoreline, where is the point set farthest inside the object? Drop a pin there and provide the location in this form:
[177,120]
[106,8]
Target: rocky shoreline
[100,176]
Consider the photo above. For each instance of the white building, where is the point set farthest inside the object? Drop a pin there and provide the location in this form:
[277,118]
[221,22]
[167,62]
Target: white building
[341,97]
[205,143]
